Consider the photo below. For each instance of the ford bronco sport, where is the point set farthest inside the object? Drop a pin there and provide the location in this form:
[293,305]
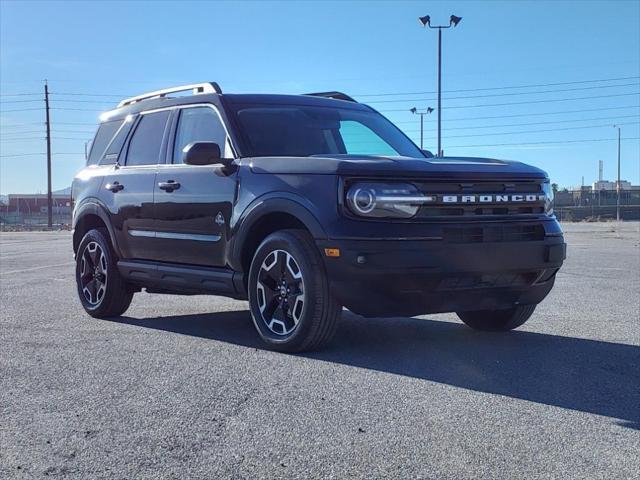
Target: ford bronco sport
[303,204]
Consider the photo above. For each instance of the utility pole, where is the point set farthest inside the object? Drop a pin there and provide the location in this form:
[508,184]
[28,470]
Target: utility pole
[618,182]
[49,197]
[453,22]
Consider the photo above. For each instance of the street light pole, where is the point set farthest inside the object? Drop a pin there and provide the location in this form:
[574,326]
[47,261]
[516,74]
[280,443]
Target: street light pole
[439,92]
[415,111]
[618,182]
[453,22]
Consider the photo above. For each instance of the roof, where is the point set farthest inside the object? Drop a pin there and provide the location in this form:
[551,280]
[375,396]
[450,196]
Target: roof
[233,98]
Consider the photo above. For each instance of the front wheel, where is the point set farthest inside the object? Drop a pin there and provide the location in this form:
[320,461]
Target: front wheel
[497,320]
[291,305]
[103,293]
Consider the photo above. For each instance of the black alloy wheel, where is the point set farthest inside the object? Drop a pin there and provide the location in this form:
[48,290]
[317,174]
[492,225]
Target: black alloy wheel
[93,273]
[280,292]
[291,303]
[102,291]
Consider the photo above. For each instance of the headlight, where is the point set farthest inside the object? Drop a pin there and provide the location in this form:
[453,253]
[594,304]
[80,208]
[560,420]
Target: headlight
[548,193]
[386,200]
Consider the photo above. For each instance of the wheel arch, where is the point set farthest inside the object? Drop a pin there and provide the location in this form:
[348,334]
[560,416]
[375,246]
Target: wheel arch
[88,216]
[265,216]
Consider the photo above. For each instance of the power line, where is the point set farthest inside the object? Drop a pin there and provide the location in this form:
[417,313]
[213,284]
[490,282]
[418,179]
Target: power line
[20,139]
[544,143]
[528,124]
[11,140]
[40,153]
[54,131]
[18,94]
[419,93]
[21,110]
[22,155]
[93,94]
[20,101]
[21,124]
[71,138]
[539,131]
[418,100]
[101,102]
[76,109]
[530,114]
[498,88]
[30,131]
[527,102]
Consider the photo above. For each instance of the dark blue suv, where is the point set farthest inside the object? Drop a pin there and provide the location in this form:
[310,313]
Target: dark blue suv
[304,204]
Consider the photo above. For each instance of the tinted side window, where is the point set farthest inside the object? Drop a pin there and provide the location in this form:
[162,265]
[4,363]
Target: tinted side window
[105,133]
[195,125]
[145,145]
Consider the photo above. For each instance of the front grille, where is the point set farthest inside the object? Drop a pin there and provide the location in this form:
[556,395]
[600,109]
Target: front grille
[500,233]
[487,198]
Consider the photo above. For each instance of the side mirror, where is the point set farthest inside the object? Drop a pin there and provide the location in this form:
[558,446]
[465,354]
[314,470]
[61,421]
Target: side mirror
[427,153]
[204,153]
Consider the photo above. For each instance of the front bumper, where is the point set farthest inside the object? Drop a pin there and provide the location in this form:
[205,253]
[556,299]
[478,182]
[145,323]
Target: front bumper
[377,277]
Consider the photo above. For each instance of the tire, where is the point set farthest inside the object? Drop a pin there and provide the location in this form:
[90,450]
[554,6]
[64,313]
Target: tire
[102,291]
[289,298]
[497,320]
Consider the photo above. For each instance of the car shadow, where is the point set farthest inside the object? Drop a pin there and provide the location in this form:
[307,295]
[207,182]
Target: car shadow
[590,376]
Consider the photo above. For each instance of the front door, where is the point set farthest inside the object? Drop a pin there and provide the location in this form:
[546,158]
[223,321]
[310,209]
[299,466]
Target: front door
[128,191]
[193,204]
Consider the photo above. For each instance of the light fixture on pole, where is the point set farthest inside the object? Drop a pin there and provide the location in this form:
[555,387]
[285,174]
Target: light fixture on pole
[453,22]
[415,111]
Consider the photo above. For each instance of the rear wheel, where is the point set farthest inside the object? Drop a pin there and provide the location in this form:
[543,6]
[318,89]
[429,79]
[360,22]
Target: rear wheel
[289,297]
[103,293]
[497,320]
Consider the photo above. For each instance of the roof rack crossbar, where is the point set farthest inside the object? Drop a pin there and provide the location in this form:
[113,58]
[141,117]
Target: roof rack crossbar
[198,88]
[336,95]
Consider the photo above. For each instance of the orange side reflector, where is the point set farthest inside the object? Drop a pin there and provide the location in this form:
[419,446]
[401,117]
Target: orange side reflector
[332,252]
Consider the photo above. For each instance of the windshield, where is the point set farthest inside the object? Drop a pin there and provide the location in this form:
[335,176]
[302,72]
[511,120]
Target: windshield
[301,131]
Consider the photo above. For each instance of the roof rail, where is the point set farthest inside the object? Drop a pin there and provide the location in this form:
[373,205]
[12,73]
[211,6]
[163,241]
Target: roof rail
[198,88]
[336,95]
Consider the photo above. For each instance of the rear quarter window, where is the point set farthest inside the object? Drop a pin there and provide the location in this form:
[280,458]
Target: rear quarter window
[112,152]
[104,135]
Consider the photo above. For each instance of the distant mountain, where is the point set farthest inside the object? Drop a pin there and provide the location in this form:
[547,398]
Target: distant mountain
[64,191]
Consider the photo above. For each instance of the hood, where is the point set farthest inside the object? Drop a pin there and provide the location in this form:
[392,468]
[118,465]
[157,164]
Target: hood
[397,167]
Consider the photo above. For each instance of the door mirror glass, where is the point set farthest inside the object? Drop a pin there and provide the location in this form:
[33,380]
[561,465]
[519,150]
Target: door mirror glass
[203,153]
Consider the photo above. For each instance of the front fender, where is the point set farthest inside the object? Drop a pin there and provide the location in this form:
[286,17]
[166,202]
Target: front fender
[274,202]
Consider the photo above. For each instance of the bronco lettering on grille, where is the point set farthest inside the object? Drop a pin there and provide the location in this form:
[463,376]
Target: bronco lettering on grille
[520,198]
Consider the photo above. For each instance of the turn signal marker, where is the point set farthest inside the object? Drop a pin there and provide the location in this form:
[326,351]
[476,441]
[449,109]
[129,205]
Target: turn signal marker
[332,252]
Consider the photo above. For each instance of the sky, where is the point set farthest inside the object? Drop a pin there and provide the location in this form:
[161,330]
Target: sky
[539,82]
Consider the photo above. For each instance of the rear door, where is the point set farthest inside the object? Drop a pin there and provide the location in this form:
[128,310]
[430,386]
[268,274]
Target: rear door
[128,190]
[193,204]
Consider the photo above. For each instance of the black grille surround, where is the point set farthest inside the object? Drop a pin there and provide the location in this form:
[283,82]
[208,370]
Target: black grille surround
[484,200]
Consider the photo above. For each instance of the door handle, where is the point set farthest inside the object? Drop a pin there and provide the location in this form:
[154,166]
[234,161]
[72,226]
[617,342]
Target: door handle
[114,187]
[169,186]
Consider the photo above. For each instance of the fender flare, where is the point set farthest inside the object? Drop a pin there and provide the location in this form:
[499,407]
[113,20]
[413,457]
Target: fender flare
[93,207]
[275,202]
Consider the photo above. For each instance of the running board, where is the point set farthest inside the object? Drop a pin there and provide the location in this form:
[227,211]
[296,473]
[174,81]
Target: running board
[183,279]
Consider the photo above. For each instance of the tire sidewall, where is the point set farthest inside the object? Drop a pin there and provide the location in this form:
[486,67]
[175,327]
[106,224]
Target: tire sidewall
[312,276]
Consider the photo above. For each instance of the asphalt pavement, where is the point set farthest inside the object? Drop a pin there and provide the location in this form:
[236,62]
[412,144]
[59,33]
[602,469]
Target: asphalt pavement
[181,387]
